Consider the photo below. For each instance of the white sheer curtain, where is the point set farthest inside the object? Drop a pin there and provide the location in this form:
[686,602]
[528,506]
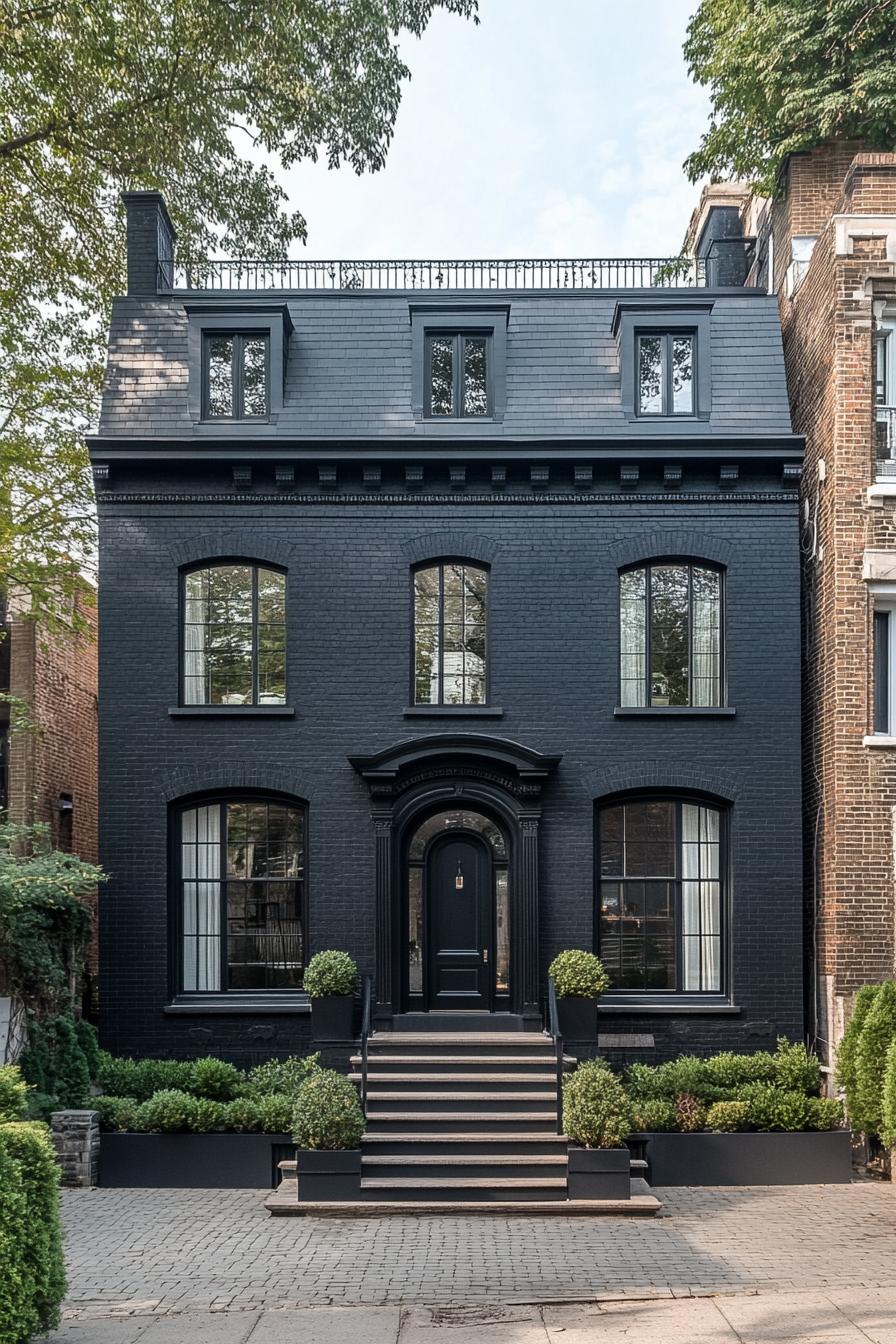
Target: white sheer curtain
[706,630]
[633,636]
[195,638]
[201,873]
[700,898]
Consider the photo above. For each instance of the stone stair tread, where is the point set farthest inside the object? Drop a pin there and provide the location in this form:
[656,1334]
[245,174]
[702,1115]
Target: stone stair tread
[465,1160]
[377,1095]
[431,1116]
[471,1182]
[522,1038]
[357,1061]
[547,1079]
[466,1138]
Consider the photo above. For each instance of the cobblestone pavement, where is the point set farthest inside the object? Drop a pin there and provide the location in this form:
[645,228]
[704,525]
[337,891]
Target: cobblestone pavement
[163,1252]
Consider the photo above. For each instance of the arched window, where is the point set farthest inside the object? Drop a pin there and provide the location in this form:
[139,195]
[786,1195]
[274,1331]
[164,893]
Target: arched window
[234,635]
[241,876]
[660,906]
[670,634]
[450,615]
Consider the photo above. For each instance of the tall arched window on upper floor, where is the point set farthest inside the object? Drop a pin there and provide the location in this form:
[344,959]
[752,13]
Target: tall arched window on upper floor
[670,634]
[241,883]
[234,634]
[661,905]
[450,634]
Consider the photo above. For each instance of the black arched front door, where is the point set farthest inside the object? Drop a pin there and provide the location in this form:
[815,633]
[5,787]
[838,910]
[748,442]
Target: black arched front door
[459,897]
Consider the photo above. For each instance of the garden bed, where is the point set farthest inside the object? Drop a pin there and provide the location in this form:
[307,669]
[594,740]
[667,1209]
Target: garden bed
[193,1161]
[822,1158]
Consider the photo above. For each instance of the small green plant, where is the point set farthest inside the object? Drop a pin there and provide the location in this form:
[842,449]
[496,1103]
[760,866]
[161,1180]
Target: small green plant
[655,1116]
[215,1079]
[727,1117]
[168,1110]
[241,1115]
[689,1112]
[871,1059]
[728,1070]
[597,1112]
[796,1068]
[578,975]
[641,1083]
[685,1074]
[327,1114]
[208,1116]
[275,1113]
[847,1051]
[824,1113]
[280,1077]
[330,973]
[769,1108]
[117,1112]
[13,1094]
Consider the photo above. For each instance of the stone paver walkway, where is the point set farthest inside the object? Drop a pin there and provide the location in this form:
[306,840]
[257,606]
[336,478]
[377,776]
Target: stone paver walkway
[163,1252]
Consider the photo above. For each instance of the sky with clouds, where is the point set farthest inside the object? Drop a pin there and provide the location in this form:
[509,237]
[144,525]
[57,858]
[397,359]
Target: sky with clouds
[555,128]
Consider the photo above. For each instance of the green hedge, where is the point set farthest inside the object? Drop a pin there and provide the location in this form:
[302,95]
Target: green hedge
[877,1033]
[32,1271]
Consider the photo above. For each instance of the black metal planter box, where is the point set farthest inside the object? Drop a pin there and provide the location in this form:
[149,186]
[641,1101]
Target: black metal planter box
[332,1016]
[599,1173]
[749,1159]
[578,1018]
[328,1176]
[193,1161]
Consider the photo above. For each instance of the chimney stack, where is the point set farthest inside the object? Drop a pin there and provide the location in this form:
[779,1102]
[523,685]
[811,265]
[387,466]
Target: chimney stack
[150,243]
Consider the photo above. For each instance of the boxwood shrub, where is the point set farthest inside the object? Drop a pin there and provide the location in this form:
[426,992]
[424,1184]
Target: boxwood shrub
[329,973]
[597,1112]
[578,974]
[327,1114]
[727,1117]
[32,1271]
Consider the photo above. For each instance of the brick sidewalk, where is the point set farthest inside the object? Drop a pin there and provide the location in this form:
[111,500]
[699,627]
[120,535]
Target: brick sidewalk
[161,1252]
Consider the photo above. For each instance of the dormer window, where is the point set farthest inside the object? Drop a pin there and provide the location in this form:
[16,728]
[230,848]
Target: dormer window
[457,374]
[236,375]
[665,369]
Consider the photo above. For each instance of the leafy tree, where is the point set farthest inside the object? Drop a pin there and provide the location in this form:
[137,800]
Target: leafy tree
[789,76]
[112,94]
[847,1051]
[871,1059]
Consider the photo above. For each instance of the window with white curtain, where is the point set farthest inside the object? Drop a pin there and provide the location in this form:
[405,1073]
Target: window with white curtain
[242,886]
[661,895]
[450,615]
[670,635]
[234,635]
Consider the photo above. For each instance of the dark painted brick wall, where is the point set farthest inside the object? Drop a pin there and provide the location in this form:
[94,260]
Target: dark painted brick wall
[554,668]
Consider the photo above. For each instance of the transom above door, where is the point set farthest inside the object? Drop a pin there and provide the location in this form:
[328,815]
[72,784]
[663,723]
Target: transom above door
[458,930]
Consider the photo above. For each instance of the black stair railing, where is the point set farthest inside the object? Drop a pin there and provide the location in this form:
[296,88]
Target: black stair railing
[366,996]
[554,1028]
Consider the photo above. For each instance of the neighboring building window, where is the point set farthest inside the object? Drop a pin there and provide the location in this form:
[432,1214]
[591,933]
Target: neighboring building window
[242,884]
[885,400]
[660,904]
[457,374]
[884,630]
[235,376]
[234,635]
[450,602]
[665,372]
[670,635]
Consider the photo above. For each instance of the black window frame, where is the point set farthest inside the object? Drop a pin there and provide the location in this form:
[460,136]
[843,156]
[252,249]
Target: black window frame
[222,799]
[239,336]
[442,704]
[882,671]
[458,337]
[667,336]
[692,563]
[225,563]
[678,797]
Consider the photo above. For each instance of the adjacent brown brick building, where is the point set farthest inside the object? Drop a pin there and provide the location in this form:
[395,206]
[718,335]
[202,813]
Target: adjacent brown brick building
[827,240]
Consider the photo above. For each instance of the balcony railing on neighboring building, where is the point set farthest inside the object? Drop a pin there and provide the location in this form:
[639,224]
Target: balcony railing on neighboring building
[885,441]
[550,273]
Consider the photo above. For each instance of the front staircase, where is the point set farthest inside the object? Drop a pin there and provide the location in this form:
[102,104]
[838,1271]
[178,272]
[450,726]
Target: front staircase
[463,1121]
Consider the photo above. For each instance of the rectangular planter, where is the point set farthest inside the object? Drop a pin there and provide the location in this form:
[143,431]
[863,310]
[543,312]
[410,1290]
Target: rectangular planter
[193,1161]
[328,1176]
[332,1017]
[578,1018]
[749,1159]
[598,1173]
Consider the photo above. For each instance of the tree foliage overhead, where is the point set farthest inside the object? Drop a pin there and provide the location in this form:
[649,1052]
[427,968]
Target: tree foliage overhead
[787,75]
[188,97]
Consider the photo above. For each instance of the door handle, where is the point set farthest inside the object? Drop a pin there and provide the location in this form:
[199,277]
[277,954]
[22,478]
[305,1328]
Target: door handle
[485,956]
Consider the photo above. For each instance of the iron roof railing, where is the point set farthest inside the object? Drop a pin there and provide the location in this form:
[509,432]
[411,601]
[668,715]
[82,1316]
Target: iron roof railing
[550,273]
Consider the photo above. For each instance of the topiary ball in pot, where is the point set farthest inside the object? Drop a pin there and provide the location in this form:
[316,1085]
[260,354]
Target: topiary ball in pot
[579,980]
[596,1118]
[331,979]
[327,1125]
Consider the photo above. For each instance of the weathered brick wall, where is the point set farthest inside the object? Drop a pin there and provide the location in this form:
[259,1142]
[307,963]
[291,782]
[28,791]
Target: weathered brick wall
[849,788]
[57,680]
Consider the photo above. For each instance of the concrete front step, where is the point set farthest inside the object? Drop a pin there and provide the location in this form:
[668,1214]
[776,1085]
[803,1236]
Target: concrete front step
[460,1188]
[522,1145]
[475,1122]
[284,1203]
[459,1023]
[467,1104]
[457,1043]
[473,1081]
[487,1166]
[482,1066]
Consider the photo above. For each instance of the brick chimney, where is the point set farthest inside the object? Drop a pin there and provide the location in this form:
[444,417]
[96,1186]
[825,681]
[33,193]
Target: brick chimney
[150,243]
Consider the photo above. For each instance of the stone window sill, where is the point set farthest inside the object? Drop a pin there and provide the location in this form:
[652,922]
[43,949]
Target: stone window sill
[454,711]
[200,1005]
[879,740]
[674,711]
[231,712]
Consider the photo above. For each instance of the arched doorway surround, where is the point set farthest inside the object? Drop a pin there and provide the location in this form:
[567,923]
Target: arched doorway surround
[484,782]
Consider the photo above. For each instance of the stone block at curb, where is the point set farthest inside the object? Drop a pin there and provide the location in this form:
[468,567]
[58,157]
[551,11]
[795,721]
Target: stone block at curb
[76,1138]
